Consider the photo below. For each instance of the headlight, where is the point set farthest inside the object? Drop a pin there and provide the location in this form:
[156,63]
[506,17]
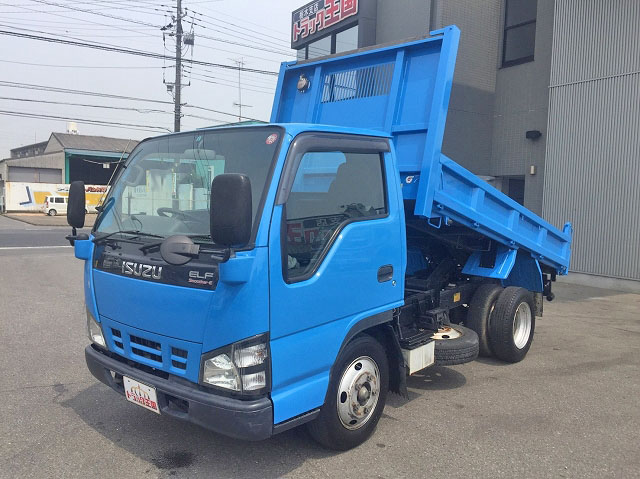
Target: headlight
[241,366]
[95,331]
[220,371]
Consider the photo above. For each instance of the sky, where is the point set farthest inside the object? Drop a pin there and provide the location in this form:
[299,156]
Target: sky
[256,32]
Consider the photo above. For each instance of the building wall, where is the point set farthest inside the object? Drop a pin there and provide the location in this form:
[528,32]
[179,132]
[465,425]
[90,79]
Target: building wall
[399,20]
[593,148]
[521,104]
[491,108]
[52,160]
[29,150]
[31,197]
[468,134]
[469,130]
[47,163]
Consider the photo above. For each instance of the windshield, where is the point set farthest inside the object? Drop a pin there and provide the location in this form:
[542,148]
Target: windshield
[165,188]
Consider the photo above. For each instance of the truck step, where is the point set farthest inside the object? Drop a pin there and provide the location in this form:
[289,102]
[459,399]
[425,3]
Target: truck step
[416,340]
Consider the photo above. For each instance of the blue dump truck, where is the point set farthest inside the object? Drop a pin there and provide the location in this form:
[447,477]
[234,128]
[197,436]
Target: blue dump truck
[252,279]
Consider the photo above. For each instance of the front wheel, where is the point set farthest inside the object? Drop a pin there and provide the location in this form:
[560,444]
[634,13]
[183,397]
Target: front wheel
[512,324]
[356,396]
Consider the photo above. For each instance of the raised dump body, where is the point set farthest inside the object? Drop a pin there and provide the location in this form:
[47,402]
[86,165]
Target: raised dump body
[403,90]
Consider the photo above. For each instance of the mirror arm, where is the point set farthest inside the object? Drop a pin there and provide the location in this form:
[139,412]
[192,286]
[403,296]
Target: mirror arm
[220,255]
[75,236]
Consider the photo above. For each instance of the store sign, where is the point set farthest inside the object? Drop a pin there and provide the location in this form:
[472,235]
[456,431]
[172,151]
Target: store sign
[320,18]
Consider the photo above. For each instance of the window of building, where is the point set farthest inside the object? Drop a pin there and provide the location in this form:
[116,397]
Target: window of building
[330,189]
[336,43]
[319,48]
[516,189]
[519,39]
[347,40]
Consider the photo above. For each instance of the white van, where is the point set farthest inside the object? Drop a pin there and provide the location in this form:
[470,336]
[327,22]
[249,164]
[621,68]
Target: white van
[54,205]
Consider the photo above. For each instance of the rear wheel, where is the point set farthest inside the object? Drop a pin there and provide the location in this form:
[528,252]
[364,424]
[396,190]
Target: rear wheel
[356,396]
[52,212]
[512,324]
[480,310]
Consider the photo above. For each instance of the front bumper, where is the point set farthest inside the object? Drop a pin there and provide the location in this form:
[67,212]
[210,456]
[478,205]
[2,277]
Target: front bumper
[249,420]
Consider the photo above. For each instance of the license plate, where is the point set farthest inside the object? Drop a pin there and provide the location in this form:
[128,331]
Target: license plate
[141,394]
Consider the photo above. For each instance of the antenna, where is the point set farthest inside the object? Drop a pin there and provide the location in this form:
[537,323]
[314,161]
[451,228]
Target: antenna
[239,104]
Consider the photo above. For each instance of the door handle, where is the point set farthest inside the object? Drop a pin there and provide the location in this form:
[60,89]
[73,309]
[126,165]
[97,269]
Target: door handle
[385,273]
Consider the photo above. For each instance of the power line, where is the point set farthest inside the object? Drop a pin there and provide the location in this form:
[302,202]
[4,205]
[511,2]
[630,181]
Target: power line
[271,38]
[52,89]
[75,19]
[83,120]
[116,17]
[155,26]
[218,81]
[107,107]
[217,13]
[81,66]
[128,51]
[215,39]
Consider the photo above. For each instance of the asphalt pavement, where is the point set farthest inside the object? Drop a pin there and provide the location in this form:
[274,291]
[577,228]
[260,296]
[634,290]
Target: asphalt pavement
[15,233]
[570,409]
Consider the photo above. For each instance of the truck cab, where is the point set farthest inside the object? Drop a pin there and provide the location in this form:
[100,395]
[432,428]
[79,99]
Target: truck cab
[251,279]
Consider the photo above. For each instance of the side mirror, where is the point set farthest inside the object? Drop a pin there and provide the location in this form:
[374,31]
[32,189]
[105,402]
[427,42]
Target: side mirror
[231,211]
[76,206]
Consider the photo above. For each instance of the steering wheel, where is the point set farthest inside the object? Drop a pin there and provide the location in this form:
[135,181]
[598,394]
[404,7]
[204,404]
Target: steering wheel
[176,214]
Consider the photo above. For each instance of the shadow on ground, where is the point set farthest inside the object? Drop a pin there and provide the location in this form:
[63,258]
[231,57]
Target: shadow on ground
[185,450]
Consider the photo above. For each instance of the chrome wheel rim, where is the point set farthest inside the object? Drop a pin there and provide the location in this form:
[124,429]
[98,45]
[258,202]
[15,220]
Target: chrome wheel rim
[358,392]
[522,325]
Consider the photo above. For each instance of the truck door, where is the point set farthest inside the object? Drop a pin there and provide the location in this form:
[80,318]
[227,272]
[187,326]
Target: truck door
[336,249]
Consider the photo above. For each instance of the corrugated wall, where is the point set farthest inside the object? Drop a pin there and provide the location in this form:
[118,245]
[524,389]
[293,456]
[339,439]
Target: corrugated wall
[592,173]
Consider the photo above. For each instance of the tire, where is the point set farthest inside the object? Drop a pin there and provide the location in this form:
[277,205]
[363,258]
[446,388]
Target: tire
[512,324]
[335,428]
[458,345]
[479,315]
[52,212]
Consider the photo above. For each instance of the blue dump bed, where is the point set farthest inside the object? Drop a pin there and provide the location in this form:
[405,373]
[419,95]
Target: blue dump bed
[403,91]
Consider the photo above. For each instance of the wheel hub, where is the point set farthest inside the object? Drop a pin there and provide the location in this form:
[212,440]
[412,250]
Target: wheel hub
[522,325]
[358,392]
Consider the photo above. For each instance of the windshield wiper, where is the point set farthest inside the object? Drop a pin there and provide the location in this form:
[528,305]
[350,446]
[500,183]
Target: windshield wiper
[156,244]
[200,237]
[136,234]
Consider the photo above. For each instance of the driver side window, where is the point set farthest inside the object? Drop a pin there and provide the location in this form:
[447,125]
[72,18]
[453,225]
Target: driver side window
[330,190]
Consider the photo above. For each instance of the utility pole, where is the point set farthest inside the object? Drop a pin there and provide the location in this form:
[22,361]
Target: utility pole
[178,83]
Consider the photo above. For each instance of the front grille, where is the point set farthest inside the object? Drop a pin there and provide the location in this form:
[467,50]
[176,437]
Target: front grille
[146,342]
[151,352]
[117,338]
[179,358]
